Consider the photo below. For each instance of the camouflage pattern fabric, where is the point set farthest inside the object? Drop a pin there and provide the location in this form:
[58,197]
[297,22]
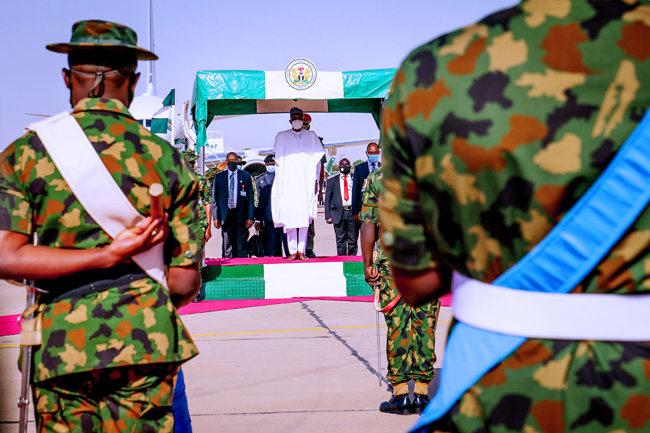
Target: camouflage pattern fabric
[204,190]
[93,34]
[411,342]
[490,135]
[135,324]
[131,399]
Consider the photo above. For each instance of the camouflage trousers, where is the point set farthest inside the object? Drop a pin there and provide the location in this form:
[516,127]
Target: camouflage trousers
[555,386]
[124,399]
[411,341]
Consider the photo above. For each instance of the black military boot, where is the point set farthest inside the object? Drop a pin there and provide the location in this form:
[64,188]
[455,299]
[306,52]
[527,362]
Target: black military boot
[398,404]
[419,402]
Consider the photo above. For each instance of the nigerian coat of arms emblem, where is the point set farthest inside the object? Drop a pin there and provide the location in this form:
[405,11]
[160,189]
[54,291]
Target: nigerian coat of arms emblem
[300,74]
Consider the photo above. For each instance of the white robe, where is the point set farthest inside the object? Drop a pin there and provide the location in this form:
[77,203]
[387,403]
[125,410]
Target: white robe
[297,165]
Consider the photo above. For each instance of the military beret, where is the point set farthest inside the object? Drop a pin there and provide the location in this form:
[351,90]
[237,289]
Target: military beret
[96,34]
[306,118]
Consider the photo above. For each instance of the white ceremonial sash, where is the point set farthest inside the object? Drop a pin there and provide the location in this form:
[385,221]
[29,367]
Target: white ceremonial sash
[555,316]
[93,185]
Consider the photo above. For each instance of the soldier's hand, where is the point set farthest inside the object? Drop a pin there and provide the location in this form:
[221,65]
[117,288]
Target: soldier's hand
[217,224]
[208,233]
[372,276]
[249,224]
[328,220]
[356,218]
[138,239]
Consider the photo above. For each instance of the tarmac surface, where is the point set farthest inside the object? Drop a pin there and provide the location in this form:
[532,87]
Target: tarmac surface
[307,366]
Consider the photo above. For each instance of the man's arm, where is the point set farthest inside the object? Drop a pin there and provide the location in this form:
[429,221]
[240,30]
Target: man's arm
[208,229]
[215,203]
[19,258]
[421,287]
[251,202]
[368,238]
[328,201]
[320,182]
[356,193]
[184,284]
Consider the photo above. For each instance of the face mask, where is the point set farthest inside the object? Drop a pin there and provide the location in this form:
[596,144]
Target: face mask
[270,168]
[232,165]
[296,124]
[373,159]
[345,169]
[240,166]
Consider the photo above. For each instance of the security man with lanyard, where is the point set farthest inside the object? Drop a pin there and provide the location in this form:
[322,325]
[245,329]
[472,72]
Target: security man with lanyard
[410,339]
[516,172]
[112,340]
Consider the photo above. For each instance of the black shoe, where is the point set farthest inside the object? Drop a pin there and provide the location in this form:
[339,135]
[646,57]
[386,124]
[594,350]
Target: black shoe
[420,402]
[398,404]
[310,254]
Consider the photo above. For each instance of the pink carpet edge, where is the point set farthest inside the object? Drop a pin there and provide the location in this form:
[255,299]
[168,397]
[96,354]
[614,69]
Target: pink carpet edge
[9,324]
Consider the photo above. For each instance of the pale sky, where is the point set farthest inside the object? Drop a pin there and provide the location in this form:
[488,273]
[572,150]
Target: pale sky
[189,36]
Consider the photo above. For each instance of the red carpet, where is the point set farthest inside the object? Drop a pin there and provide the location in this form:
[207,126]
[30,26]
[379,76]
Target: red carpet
[279,260]
[9,324]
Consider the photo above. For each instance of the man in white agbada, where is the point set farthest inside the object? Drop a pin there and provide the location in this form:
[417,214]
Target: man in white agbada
[298,154]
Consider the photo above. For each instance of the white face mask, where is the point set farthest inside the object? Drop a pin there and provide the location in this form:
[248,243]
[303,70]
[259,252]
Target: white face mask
[296,124]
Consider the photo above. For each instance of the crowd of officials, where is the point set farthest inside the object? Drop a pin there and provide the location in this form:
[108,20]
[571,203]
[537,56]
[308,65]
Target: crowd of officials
[240,202]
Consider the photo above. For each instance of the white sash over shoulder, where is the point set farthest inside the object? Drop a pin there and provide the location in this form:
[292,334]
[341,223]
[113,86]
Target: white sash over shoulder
[93,185]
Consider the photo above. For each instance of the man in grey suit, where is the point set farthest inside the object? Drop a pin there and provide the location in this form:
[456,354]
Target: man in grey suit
[338,210]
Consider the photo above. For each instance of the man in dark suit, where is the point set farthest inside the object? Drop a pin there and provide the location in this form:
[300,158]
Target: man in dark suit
[361,172]
[273,236]
[234,206]
[338,210]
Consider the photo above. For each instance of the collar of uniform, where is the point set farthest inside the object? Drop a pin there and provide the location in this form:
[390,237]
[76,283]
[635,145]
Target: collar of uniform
[101,104]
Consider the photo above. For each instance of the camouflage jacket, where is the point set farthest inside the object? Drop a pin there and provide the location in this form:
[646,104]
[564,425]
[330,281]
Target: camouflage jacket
[130,325]
[490,135]
[204,188]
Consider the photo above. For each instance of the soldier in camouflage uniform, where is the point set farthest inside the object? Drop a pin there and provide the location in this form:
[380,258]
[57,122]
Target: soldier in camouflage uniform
[410,345]
[109,359]
[491,133]
[205,207]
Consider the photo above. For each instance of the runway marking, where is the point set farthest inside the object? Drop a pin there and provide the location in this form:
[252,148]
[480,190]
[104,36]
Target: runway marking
[274,331]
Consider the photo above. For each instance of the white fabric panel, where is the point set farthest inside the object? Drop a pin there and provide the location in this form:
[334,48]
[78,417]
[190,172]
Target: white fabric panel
[551,315]
[328,85]
[93,185]
[292,280]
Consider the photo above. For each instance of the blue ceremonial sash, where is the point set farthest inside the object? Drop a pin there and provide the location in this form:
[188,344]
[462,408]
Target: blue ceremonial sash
[556,265]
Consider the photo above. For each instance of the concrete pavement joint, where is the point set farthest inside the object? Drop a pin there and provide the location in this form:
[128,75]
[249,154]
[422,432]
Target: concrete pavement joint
[353,351]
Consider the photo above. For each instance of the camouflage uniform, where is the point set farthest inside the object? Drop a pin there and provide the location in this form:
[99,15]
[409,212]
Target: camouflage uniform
[204,191]
[105,335]
[410,346]
[490,135]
